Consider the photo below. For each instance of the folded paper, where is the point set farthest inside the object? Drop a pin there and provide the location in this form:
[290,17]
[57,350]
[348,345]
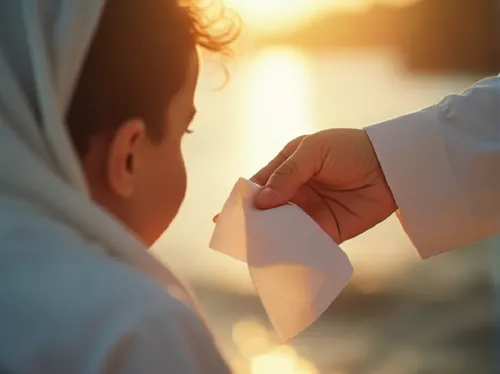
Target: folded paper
[295,266]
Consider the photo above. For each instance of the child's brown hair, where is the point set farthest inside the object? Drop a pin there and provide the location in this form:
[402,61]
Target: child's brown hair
[137,62]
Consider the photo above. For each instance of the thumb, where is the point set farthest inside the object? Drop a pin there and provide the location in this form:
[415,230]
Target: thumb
[287,179]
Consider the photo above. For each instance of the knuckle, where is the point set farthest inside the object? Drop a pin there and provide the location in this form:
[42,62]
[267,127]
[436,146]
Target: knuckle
[292,146]
[290,167]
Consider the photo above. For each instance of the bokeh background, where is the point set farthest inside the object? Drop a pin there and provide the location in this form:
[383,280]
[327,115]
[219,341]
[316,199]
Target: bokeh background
[307,65]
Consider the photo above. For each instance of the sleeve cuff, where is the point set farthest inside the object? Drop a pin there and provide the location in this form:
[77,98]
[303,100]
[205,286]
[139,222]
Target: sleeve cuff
[433,208]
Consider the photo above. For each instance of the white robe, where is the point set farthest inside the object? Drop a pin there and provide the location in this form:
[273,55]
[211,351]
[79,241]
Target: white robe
[443,167]
[79,293]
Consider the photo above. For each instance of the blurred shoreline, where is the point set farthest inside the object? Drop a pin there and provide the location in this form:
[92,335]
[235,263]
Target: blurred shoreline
[429,35]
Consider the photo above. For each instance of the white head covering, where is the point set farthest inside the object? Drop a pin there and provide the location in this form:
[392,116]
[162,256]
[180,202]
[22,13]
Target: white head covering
[42,47]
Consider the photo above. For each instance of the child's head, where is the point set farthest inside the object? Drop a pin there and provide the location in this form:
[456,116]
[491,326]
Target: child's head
[134,103]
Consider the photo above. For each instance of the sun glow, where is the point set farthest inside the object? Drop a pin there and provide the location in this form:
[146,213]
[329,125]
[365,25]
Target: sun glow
[255,344]
[276,14]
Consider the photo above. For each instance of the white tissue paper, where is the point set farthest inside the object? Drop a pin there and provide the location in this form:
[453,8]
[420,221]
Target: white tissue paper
[295,266]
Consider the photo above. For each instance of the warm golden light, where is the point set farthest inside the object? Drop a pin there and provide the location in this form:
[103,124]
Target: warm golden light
[273,363]
[278,102]
[278,14]
[251,338]
[255,344]
[283,360]
[269,8]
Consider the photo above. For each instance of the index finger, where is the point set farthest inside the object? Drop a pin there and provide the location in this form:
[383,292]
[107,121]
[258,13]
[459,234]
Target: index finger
[262,177]
[265,173]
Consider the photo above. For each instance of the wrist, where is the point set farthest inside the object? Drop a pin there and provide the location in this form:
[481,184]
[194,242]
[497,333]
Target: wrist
[379,173]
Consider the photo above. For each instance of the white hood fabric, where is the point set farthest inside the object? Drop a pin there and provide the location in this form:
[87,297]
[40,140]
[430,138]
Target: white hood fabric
[78,292]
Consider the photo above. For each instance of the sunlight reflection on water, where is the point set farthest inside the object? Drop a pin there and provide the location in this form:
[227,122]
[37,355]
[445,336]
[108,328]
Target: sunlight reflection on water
[277,100]
[262,355]
[271,97]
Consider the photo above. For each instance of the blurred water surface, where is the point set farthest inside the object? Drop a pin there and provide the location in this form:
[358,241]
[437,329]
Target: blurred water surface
[399,315]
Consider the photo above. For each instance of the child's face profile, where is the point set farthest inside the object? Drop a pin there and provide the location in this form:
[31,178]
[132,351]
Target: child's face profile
[139,180]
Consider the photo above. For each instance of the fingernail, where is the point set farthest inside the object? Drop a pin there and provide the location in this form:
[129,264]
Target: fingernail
[215,218]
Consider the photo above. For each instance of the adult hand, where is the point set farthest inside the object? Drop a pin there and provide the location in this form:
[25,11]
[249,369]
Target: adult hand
[335,177]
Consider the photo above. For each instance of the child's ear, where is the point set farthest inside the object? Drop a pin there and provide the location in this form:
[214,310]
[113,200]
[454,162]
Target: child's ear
[122,157]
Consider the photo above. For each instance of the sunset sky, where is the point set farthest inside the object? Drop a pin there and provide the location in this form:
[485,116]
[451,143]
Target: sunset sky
[273,14]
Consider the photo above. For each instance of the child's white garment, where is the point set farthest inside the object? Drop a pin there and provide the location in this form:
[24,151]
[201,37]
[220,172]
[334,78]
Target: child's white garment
[79,294]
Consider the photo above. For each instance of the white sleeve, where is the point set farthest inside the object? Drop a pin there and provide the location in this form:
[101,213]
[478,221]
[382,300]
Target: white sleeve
[171,340]
[443,167]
